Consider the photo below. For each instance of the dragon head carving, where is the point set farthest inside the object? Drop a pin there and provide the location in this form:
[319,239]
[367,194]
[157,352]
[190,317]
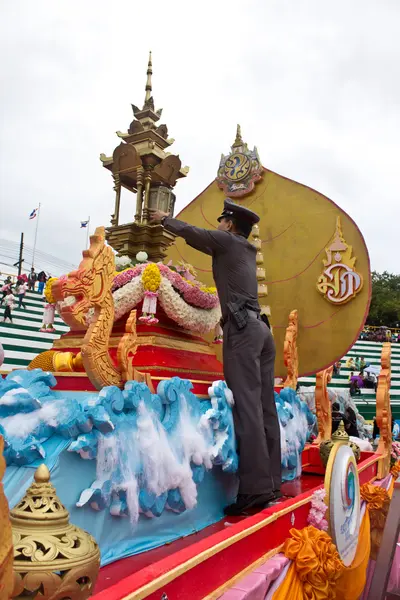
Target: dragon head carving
[87,287]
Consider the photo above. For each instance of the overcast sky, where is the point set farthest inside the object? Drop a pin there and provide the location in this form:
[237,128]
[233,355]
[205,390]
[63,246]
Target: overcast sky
[314,83]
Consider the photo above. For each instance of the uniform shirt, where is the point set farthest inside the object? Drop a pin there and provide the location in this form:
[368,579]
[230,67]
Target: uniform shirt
[233,262]
[22,288]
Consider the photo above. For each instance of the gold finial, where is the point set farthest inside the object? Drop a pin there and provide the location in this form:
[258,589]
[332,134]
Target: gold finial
[340,434]
[148,82]
[42,474]
[238,141]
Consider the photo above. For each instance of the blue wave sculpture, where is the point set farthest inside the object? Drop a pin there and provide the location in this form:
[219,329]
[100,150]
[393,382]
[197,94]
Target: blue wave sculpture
[151,450]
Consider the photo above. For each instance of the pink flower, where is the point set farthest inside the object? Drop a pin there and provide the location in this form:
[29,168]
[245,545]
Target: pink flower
[126,276]
[316,516]
[191,293]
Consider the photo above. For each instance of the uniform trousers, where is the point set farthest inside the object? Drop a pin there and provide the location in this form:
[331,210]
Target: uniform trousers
[249,356]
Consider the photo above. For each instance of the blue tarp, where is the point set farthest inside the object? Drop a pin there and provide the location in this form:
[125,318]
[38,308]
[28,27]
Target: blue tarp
[116,536]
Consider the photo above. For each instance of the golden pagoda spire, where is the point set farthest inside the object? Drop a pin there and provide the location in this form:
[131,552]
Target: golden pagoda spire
[147,97]
[238,141]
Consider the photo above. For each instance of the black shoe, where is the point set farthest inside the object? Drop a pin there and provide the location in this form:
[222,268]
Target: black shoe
[246,503]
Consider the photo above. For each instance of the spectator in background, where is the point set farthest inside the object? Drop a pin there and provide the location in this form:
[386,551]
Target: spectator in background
[336,416]
[5,289]
[370,380]
[357,363]
[354,384]
[10,303]
[336,367]
[21,291]
[42,280]
[32,279]
[350,363]
[350,422]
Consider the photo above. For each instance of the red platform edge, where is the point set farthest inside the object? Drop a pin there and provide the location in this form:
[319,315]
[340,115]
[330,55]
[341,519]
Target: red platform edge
[204,566]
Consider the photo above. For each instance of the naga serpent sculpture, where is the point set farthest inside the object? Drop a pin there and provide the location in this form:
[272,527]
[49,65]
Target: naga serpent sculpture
[93,310]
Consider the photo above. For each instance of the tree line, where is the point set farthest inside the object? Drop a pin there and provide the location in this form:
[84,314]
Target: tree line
[385,301]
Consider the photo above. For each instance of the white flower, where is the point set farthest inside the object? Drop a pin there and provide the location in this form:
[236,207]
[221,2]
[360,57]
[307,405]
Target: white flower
[127,297]
[142,256]
[122,262]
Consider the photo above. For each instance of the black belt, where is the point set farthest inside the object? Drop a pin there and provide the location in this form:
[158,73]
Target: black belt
[251,312]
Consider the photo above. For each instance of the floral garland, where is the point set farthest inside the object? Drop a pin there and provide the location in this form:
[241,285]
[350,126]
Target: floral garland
[316,516]
[189,317]
[127,297]
[48,293]
[175,307]
[188,303]
[151,279]
[192,291]
[202,297]
[126,276]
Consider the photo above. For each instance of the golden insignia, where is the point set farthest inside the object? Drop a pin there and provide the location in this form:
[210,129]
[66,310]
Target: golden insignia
[339,281]
[240,170]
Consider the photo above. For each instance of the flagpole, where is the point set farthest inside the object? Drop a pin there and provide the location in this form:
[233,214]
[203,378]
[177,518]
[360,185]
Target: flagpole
[87,234]
[34,243]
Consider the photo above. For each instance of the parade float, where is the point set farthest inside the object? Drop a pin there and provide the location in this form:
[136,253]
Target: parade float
[124,428]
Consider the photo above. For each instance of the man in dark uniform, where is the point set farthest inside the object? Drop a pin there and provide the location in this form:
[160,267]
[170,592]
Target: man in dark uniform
[248,350]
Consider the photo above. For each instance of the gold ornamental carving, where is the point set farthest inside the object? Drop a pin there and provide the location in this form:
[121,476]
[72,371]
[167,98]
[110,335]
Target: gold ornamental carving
[290,354]
[53,560]
[339,282]
[43,361]
[56,361]
[323,406]
[127,347]
[383,411]
[6,547]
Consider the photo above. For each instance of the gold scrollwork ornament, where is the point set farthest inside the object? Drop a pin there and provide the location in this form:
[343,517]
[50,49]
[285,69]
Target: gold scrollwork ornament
[53,560]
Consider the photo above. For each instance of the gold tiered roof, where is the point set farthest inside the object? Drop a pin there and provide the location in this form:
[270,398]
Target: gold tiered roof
[141,165]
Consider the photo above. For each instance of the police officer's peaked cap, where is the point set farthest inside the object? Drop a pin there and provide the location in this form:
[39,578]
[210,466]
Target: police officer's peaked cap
[239,213]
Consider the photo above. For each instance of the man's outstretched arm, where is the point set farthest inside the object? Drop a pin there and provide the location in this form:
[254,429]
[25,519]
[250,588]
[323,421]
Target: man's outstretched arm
[204,240]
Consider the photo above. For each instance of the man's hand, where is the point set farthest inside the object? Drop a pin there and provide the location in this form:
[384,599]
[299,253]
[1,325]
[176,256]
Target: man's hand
[157,215]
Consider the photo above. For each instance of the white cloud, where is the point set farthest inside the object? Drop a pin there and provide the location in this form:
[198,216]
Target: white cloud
[314,85]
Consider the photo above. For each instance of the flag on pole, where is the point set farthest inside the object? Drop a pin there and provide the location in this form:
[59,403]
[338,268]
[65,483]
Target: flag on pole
[84,223]
[33,213]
